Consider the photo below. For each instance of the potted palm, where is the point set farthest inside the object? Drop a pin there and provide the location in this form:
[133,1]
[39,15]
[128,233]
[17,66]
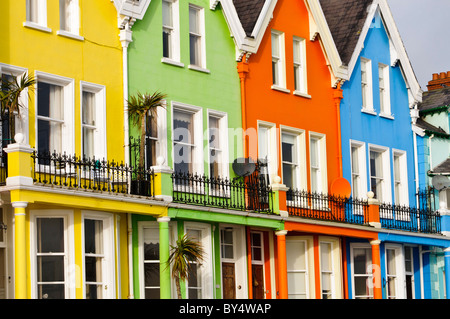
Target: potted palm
[141,106]
[11,90]
[183,256]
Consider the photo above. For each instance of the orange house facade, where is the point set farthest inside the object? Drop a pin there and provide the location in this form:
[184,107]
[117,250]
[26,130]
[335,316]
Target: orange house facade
[290,111]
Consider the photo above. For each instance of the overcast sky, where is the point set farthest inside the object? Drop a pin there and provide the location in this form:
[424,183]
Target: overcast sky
[424,26]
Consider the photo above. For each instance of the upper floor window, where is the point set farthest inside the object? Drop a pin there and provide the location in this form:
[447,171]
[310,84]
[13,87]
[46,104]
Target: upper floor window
[383,78]
[400,178]
[196,36]
[300,79]
[36,15]
[380,174]
[267,149]
[358,160]
[278,60]
[93,121]
[290,158]
[69,16]
[187,139]
[318,163]
[217,126]
[54,114]
[366,84]
[171,34]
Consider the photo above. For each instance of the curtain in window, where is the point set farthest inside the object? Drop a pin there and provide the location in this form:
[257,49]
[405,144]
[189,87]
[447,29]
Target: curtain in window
[57,113]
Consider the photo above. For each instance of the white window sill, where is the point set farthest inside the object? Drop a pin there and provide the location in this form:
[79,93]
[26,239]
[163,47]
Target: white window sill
[172,62]
[32,25]
[279,88]
[387,116]
[198,68]
[298,93]
[70,35]
[368,111]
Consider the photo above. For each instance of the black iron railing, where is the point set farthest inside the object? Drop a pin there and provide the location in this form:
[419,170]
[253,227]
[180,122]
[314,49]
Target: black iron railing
[242,194]
[71,171]
[411,219]
[327,207]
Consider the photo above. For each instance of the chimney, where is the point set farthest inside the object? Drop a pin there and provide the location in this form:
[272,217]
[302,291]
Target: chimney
[439,80]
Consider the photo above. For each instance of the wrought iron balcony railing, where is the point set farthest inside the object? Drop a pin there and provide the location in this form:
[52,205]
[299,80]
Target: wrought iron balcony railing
[74,172]
[327,207]
[410,219]
[235,194]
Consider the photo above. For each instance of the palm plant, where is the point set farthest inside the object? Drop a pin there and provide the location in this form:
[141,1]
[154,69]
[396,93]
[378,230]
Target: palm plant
[10,93]
[183,256]
[139,106]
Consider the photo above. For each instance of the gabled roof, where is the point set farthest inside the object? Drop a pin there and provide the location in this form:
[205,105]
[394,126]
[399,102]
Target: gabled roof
[346,20]
[435,99]
[431,129]
[132,8]
[247,21]
[442,168]
[248,12]
[349,21]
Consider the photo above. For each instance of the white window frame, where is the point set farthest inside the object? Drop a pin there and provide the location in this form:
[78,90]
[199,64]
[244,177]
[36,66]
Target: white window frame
[362,177]
[197,117]
[239,251]
[400,286]
[322,168]
[68,136]
[201,35]
[223,140]
[386,195]
[70,268]
[384,90]
[300,140]
[108,254]
[272,150]
[142,225]
[409,273]
[174,38]
[100,145]
[307,242]
[23,117]
[279,61]
[403,178]
[300,73]
[161,128]
[69,28]
[330,272]
[368,275]
[41,23]
[367,86]
[206,266]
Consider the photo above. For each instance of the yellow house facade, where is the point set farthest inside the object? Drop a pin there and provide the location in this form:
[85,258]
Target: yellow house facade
[67,191]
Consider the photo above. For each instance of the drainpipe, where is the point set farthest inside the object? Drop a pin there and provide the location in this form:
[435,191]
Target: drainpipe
[125,39]
[431,152]
[338,96]
[243,71]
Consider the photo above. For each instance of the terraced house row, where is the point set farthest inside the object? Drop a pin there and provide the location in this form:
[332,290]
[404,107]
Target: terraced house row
[292,142]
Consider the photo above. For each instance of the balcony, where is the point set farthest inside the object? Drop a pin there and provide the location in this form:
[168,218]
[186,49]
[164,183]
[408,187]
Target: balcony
[410,219]
[327,207]
[94,175]
[240,194]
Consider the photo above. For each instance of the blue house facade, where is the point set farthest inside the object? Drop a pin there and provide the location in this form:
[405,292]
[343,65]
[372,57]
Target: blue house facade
[382,153]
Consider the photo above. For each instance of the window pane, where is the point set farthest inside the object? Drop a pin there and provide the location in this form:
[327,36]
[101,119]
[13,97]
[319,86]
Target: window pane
[51,291]
[325,255]
[193,20]
[296,255]
[50,235]
[275,45]
[263,143]
[93,271]
[362,258]
[88,112]
[151,274]
[167,14]
[151,244]
[33,11]
[93,237]
[50,268]
[183,127]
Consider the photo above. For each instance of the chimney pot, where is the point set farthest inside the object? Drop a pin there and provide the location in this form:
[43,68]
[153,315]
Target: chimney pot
[435,76]
[443,75]
[448,74]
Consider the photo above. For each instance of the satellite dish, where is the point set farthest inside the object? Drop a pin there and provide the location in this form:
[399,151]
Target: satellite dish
[341,187]
[440,182]
[244,166]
